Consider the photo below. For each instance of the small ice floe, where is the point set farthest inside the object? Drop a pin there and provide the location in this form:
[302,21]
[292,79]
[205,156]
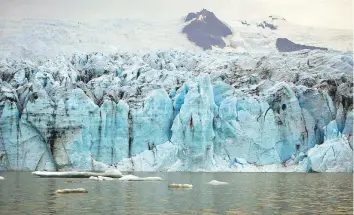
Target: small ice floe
[101,178]
[215,182]
[136,178]
[73,181]
[66,191]
[2,178]
[180,186]
[113,173]
[93,178]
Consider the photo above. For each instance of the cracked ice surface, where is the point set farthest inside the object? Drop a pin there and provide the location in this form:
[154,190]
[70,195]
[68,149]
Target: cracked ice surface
[333,155]
[178,111]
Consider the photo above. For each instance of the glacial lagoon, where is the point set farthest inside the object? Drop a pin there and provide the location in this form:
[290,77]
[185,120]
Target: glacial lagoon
[246,193]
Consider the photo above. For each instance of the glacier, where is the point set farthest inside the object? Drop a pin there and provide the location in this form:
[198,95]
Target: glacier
[178,111]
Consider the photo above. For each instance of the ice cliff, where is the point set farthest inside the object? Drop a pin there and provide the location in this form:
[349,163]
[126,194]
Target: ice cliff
[178,111]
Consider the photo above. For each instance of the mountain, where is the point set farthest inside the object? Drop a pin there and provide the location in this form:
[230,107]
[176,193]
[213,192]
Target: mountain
[206,30]
[285,45]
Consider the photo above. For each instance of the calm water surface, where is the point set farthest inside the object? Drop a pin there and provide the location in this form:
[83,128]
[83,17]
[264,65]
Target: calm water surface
[247,193]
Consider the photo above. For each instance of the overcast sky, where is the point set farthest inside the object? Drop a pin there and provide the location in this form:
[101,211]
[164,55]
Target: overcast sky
[317,13]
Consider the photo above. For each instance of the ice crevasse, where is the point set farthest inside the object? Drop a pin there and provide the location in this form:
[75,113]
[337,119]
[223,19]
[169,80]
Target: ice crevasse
[178,111]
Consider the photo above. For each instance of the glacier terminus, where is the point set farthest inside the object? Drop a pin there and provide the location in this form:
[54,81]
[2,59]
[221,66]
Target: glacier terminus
[178,111]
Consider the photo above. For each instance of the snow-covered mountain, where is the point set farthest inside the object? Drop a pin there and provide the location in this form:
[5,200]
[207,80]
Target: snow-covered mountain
[133,91]
[285,45]
[206,30]
[47,29]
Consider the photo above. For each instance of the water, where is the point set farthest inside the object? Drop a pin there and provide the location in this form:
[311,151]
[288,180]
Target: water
[247,193]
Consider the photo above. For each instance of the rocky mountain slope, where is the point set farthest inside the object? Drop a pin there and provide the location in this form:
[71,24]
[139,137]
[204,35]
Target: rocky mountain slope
[205,30]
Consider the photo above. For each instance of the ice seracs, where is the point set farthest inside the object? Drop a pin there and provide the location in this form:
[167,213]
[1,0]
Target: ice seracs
[175,111]
[192,128]
[334,155]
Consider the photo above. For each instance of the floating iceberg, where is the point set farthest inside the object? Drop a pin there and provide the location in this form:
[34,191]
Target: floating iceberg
[180,186]
[136,178]
[75,174]
[67,191]
[101,178]
[113,173]
[72,174]
[2,178]
[215,182]
[73,181]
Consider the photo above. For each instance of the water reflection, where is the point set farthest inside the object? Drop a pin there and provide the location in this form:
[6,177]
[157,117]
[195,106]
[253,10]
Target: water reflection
[254,193]
[50,196]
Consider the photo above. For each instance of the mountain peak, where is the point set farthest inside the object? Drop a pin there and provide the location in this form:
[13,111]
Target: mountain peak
[205,29]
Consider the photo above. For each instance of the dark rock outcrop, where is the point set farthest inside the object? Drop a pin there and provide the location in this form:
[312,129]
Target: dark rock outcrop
[245,23]
[285,45]
[206,30]
[265,24]
[277,18]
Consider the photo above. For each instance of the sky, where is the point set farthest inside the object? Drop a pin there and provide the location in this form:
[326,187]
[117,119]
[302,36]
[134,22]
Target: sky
[335,14]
